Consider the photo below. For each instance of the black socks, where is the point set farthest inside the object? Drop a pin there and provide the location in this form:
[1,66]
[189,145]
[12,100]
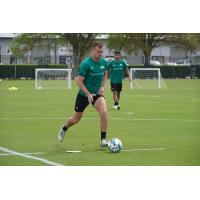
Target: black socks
[64,128]
[103,135]
[116,103]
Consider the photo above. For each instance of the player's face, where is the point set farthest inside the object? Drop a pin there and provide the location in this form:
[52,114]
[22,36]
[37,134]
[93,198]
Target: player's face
[117,56]
[97,52]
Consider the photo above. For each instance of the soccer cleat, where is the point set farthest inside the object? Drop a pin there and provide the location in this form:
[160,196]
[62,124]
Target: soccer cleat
[104,143]
[61,135]
[115,107]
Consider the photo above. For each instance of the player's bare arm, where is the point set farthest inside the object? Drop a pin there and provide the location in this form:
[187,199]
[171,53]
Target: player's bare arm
[128,74]
[80,84]
[101,90]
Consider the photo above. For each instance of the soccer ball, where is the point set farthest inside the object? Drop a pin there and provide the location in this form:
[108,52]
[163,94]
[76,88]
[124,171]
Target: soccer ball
[115,145]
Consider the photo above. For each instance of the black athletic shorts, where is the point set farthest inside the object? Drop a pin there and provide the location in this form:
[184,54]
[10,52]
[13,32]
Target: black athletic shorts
[116,87]
[82,102]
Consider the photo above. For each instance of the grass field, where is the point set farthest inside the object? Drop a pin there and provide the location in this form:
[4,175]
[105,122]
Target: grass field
[157,127]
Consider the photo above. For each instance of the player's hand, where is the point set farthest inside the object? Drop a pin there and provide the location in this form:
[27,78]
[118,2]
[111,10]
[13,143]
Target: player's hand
[101,90]
[90,98]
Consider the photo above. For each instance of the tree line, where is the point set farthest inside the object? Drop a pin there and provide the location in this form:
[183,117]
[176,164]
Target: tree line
[81,42]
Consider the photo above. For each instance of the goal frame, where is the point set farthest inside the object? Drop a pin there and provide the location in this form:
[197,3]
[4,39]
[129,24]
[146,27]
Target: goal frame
[68,80]
[147,69]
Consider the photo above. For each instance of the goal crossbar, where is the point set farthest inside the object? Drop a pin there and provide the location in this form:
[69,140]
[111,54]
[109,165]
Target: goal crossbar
[67,78]
[148,76]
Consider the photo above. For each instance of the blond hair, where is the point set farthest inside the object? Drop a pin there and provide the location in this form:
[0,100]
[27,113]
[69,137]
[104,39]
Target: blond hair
[97,44]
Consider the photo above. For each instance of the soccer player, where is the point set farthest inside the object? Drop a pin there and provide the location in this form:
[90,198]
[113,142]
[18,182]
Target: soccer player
[91,81]
[117,68]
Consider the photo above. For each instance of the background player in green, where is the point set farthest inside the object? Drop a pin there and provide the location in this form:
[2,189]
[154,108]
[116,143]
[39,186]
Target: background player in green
[91,81]
[117,68]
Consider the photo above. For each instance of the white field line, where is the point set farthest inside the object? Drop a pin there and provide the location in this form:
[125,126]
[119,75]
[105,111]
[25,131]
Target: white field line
[151,149]
[30,157]
[8,154]
[129,113]
[96,118]
[26,104]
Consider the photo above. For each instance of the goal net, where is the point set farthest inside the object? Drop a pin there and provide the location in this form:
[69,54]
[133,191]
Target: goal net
[53,78]
[146,78]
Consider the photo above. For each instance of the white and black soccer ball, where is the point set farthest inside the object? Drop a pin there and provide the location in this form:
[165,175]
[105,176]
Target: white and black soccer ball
[115,145]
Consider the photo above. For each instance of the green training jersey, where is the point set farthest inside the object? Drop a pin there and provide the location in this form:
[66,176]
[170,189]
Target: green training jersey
[93,72]
[116,69]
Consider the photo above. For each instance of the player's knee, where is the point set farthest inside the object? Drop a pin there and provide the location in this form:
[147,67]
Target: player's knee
[75,120]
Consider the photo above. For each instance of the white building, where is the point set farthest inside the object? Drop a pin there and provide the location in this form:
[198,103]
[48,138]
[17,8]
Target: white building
[63,54]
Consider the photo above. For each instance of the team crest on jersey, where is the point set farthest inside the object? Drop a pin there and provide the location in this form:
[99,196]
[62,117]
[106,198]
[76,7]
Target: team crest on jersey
[102,67]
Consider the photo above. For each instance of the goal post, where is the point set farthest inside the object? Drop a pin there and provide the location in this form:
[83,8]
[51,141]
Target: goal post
[146,78]
[53,78]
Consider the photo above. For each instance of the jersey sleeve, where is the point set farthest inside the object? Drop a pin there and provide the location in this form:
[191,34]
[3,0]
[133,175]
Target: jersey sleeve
[83,69]
[125,64]
[105,64]
[109,65]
